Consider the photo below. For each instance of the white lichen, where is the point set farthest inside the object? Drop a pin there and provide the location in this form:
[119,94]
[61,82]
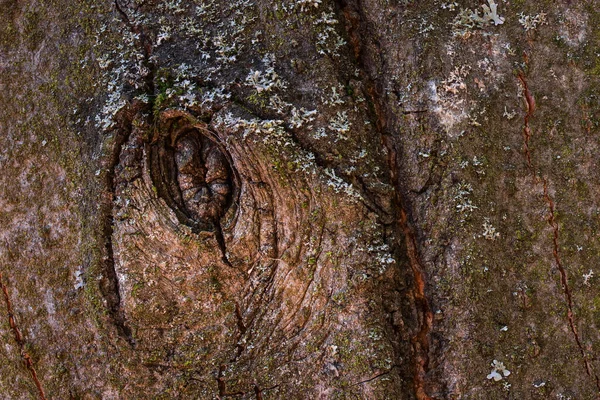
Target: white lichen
[320,133]
[328,39]
[531,22]
[509,115]
[340,186]
[301,117]
[264,81]
[455,82]
[449,6]
[164,34]
[448,98]
[489,232]
[490,13]
[499,371]
[465,206]
[587,277]
[273,133]
[79,282]
[340,124]
[279,105]
[214,96]
[307,4]
[335,98]
[468,20]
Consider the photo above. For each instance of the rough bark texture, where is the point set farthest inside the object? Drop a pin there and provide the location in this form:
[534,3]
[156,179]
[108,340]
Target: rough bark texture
[311,199]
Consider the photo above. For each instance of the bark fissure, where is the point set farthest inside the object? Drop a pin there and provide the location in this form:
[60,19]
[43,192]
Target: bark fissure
[530,105]
[258,393]
[20,340]
[109,284]
[222,244]
[242,328]
[377,376]
[420,341]
[356,27]
[144,40]
[565,285]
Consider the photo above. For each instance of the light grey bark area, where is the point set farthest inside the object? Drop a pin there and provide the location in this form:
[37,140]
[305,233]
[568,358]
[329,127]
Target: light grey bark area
[306,199]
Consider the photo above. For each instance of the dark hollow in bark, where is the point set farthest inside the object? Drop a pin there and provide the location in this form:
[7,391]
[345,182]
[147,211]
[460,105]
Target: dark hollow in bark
[192,173]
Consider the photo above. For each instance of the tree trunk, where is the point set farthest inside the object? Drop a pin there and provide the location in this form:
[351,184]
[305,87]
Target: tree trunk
[310,199]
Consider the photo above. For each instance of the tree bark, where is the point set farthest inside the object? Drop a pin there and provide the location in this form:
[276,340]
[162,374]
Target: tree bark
[311,199]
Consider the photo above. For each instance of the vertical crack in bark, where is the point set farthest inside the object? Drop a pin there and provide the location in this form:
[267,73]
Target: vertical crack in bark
[530,103]
[258,393]
[420,340]
[110,282]
[222,244]
[242,328]
[20,341]
[221,382]
[144,42]
[122,13]
[565,285]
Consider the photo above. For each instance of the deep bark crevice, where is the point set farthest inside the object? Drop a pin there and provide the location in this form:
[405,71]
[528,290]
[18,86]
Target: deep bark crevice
[109,283]
[360,38]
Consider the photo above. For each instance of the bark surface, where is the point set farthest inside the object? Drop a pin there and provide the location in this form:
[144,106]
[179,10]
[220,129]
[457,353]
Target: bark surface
[310,199]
